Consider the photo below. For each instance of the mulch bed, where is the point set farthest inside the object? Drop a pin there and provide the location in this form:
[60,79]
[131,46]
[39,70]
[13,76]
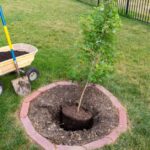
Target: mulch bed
[44,113]
[7,55]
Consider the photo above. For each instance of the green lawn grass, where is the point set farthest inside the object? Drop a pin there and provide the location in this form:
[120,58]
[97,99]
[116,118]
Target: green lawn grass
[90,2]
[53,26]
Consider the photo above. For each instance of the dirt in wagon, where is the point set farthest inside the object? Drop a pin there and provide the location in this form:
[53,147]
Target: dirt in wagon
[7,55]
[44,114]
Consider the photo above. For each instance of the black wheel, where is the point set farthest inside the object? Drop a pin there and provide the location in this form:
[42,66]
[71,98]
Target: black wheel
[1,89]
[32,74]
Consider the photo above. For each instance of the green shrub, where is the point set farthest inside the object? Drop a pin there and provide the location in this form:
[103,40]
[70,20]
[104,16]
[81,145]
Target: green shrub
[99,30]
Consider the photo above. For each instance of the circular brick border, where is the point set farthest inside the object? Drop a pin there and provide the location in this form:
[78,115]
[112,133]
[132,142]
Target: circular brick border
[47,145]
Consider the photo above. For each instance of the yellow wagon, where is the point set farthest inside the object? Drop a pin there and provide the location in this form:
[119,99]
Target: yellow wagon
[23,61]
[8,66]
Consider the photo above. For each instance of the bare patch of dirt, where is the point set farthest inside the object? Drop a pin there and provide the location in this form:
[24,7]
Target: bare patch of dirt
[44,114]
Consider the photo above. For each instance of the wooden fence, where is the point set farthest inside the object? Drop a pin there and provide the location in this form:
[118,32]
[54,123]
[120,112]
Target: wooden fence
[137,9]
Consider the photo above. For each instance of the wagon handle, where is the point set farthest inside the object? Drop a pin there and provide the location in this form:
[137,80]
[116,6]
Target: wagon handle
[9,40]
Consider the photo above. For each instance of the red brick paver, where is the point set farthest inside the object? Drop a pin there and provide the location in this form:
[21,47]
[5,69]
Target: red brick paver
[32,96]
[24,110]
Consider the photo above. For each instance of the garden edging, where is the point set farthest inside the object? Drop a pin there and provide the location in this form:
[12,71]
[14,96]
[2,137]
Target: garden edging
[47,145]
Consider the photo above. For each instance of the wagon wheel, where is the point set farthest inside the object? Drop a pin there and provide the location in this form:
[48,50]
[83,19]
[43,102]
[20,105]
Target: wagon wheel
[32,74]
[1,89]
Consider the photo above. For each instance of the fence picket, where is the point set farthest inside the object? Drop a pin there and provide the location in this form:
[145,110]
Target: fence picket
[137,9]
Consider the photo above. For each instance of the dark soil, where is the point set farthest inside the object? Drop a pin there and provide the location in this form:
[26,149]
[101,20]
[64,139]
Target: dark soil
[73,120]
[44,114]
[7,55]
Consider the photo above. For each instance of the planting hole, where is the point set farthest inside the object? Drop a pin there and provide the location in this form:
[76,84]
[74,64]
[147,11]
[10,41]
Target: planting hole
[71,120]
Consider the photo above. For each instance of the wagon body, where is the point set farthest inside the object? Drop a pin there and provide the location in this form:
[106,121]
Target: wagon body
[8,66]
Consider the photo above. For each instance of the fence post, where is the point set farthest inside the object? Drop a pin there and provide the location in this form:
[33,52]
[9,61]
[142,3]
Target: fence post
[127,7]
[97,2]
